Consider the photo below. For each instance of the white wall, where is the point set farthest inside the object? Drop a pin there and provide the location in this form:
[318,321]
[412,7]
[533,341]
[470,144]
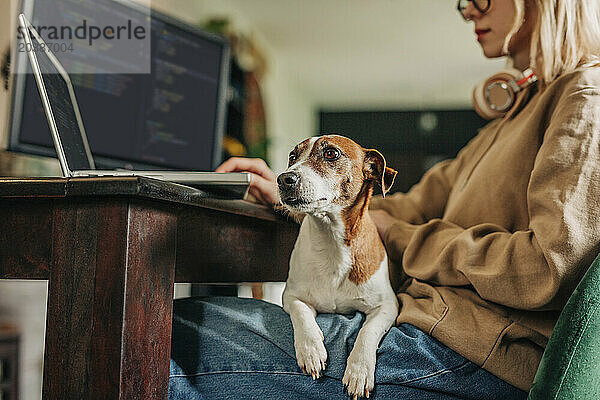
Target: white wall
[292,116]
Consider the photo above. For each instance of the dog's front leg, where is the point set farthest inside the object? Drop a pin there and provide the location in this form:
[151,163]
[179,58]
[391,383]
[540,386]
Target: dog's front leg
[308,338]
[359,377]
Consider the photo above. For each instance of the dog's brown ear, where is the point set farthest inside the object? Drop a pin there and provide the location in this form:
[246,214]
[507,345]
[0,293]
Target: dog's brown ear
[374,168]
[388,179]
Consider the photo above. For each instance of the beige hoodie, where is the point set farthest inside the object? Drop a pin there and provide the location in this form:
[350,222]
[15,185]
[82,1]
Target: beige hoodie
[494,241]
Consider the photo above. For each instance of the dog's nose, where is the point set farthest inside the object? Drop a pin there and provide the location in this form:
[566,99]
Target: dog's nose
[287,180]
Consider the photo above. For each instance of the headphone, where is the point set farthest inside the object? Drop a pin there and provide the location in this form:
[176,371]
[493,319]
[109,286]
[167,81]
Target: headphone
[501,93]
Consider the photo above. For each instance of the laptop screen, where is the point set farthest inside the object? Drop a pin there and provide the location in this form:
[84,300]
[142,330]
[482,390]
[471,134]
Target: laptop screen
[63,110]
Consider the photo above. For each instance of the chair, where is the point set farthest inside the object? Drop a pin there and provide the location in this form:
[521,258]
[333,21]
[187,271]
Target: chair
[570,366]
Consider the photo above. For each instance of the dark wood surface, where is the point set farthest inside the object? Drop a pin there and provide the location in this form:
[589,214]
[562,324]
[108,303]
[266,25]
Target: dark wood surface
[138,187]
[218,241]
[112,249]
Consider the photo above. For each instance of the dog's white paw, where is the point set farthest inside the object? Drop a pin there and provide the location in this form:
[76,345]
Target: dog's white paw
[359,377]
[311,354]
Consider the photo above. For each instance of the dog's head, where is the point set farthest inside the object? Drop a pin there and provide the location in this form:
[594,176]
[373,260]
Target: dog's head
[330,173]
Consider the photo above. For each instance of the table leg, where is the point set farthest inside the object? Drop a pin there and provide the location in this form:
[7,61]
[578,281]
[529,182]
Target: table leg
[108,330]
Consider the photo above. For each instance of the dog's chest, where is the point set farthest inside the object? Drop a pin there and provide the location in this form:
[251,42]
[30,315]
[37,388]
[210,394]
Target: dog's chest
[319,269]
[325,297]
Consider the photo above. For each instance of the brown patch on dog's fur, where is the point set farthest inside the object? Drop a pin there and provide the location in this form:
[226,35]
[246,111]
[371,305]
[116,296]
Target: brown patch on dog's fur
[367,254]
[347,147]
[362,237]
[300,148]
[314,159]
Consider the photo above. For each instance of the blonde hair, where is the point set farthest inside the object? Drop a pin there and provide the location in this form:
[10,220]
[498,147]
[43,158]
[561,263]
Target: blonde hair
[565,35]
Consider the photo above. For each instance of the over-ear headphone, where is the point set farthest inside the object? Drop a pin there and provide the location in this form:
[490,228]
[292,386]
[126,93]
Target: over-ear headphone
[498,95]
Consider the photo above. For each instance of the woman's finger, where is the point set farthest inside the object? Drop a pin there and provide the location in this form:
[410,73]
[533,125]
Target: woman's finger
[257,196]
[255,165]
[254,192]
[267,189]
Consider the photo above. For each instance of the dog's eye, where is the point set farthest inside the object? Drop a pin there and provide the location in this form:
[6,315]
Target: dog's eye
[292,158]
[331,154]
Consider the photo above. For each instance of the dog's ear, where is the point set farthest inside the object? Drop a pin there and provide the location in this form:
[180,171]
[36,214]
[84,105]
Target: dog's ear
[374,168]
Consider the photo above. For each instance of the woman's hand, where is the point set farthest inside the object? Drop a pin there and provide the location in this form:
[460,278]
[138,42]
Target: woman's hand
[382,221]
[263,184]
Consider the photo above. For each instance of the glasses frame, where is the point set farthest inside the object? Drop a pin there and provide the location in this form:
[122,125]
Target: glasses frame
[481,10]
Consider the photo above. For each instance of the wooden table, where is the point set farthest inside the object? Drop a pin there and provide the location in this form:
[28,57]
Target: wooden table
[112,249]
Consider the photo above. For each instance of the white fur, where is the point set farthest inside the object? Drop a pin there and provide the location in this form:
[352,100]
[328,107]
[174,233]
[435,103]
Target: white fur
[318,282]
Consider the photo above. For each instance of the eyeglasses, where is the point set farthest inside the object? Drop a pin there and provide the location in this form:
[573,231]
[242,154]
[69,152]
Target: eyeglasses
[481,5]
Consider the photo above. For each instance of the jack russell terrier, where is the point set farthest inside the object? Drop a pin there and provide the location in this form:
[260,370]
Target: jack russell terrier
[338,264]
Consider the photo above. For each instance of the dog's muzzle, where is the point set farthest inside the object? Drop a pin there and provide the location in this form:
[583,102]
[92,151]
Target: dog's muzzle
[288,183]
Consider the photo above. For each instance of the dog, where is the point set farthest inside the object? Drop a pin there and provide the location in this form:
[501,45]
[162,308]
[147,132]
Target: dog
[338,264]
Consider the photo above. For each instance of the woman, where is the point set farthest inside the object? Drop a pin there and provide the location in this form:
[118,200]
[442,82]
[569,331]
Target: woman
[491,243]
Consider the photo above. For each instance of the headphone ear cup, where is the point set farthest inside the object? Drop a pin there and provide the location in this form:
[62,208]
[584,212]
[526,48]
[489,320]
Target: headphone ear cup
[481,105]
[480,102]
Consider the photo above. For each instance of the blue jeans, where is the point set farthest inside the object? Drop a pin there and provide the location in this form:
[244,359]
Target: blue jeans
[232,348]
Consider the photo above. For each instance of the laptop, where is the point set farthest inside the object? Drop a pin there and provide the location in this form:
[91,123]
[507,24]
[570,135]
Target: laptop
[70,140]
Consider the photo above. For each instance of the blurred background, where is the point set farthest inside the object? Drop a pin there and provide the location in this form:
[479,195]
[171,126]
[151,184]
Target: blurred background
[395,75]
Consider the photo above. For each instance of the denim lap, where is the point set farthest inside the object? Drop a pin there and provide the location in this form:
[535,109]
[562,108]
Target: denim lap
[232,348]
